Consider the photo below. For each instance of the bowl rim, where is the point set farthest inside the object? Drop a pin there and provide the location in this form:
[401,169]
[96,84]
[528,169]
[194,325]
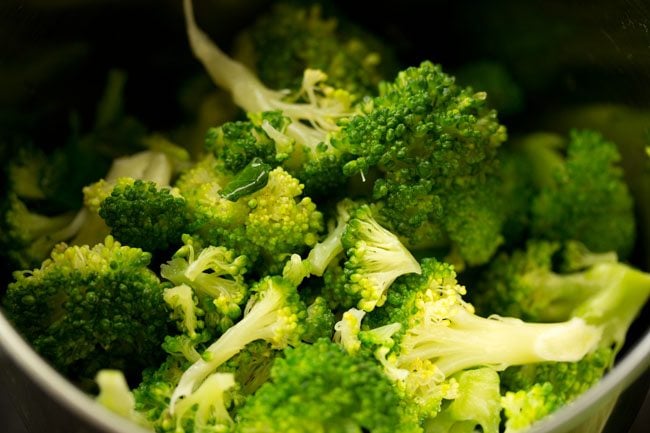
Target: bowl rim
[624,373]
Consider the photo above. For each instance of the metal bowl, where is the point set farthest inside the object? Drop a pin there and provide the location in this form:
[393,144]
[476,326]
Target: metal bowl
[595,53]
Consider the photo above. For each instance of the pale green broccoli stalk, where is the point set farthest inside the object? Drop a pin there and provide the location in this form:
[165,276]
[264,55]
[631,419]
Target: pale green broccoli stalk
[319,387]
[87,309]
[326,251]
[115,395]
[184,308]
[595,287]
[215,276]
[292,37]
[478,405]
[375,258]
[583,196]
[274,314]
[526,284]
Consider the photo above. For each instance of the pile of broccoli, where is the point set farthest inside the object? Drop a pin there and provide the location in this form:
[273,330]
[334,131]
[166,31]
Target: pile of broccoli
[362,249]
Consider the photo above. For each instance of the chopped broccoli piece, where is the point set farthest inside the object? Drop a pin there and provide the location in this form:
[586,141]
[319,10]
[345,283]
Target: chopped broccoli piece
[142,215]
[87,309]
[291,37]
[431,146]
[583,196]
[274,314]
[319,387]
[375,258]
[215,275]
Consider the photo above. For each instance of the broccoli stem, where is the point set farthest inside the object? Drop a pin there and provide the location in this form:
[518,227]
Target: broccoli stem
[470,341]
[618,304]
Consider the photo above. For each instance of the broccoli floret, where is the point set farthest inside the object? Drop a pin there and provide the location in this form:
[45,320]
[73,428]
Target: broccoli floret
[215,275]
[319,322]
[533,391]
[251,367]
[375,258]
[274,314]
[267,225]
[313,115]
[237,143]
[430,146]
[291,37]
[86,309]
[143,215]
[206,409]
[582,195]
[441,336]
[320,387]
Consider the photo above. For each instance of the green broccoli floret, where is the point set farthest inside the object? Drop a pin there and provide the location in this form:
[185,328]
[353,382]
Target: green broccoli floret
[215,276]
[441,336]
[274,314]
[313,114]
[292,37]
[319,322]
[430,148]
[320,387]
[534,391]
[582,195]
[86,309]
[237,143]
[205,411]
[29,236]
[267,225]
[375,258]
[154,392]
[251,367]
[143,215]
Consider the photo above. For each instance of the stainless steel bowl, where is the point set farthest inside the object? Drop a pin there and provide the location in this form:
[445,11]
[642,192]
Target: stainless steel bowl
[595,52]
